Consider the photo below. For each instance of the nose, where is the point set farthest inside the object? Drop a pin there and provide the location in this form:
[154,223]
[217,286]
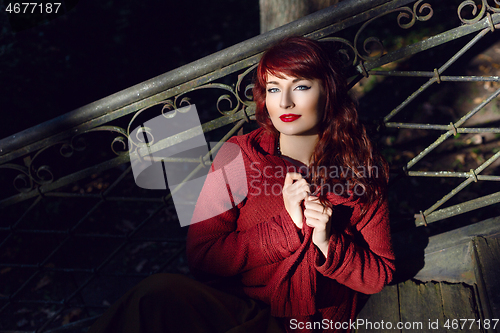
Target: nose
[286,101]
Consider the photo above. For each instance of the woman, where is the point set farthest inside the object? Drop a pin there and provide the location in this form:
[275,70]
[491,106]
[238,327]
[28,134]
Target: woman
[309,249]
[294,219]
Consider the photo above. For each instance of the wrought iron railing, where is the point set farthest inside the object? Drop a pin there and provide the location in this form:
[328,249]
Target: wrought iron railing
[74,224]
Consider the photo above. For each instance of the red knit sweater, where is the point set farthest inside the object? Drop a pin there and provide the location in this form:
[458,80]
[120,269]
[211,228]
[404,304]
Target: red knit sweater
[255,241]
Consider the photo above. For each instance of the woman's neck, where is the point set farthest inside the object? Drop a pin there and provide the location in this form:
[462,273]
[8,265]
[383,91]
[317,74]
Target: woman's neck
[298,147]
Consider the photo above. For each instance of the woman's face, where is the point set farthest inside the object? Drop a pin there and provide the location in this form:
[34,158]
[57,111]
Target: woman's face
[295,105]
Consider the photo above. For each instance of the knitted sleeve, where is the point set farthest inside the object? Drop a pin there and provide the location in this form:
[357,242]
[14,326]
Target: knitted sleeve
[364,264]
[215,245]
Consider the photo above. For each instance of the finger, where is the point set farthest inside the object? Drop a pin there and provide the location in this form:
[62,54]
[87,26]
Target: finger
[314,223]
[313,202]
[302,185]
[288,180]
[291,177]
[294,175]
[314,205]
[314,214]
[297,189]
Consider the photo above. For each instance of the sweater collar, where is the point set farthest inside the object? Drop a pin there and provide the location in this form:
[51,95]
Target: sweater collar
[264,144]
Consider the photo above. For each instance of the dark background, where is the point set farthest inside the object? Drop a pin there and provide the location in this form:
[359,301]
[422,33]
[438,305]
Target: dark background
[95,48]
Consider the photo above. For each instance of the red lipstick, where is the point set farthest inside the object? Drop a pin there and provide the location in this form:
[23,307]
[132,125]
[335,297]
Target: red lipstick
[289,117]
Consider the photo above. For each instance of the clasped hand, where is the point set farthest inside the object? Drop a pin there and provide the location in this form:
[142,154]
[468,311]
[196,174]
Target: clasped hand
[295,191]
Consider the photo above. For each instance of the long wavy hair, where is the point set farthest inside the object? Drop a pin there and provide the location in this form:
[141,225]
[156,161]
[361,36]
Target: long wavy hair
[343,142]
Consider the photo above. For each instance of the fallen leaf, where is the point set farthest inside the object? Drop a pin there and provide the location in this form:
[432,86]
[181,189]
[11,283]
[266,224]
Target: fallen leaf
[43,282]
[460,158]
[476,139]
[408,154]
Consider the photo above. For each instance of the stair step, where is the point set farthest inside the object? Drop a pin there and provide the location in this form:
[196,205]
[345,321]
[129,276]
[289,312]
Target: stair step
[422,307]
[486,258]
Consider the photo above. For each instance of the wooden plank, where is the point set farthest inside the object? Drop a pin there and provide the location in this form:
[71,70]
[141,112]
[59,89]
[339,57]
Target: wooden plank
[420,307]
[380,307]
[487,258]
[460,308]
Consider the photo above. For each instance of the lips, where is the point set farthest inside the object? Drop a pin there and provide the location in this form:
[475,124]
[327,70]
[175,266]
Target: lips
[289,117]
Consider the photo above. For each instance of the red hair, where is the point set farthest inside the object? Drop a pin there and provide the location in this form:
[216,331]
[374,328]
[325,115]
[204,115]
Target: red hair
[343,142]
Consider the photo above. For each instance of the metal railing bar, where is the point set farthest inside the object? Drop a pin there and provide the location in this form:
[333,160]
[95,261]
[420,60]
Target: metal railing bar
[432,42]
[129,235]
[66,328]
[16,224]
[65,180]
[477,108]
[464,49]
[461,208]
[430,148]
[173,140]
[172,258]
[112,115]
[121,159]
[451,131]
[46,269]
[454,58]
[101,266]
[61,244]
[35,301]
[466,182]
[73,270]
[120,199]
[124,158]
[409,99]
[98,196]
[223,121]
[186,73]
[229,134]
[108,236]
[466,78]
[444,127]
[74,325]
[11,298]
[355,19]
[452,175]
[118,249]
[206,127]
[27,231]
[174,159]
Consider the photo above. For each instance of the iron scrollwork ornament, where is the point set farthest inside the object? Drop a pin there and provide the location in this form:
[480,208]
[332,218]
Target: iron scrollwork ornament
[478,11]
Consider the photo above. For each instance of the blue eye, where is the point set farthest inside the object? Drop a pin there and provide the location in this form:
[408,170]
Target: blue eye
[272,90]
[303,87]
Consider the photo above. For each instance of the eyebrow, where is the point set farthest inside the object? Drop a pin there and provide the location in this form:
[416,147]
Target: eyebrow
[294,81]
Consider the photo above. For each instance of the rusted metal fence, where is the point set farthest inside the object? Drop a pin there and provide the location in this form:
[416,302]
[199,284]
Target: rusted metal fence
[76,231]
